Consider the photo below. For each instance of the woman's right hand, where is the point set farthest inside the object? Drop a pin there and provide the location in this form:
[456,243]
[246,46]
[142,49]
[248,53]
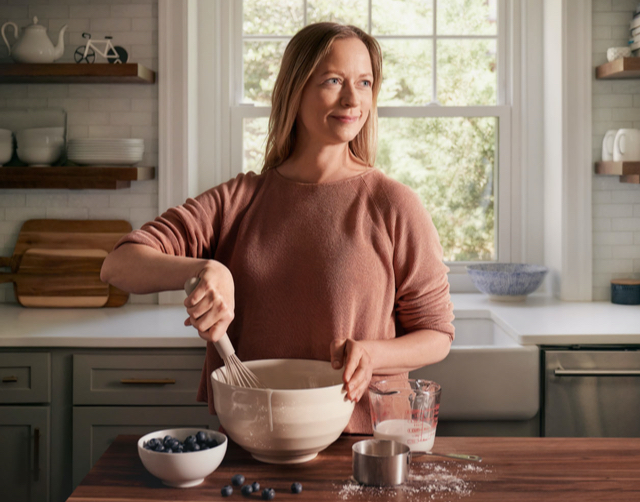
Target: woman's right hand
[211,304]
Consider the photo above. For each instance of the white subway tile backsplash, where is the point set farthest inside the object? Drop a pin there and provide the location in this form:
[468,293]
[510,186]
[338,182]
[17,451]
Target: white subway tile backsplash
[110,104]
[613,211]
[600,252]
[625,224]
[626,252]
[48,11]
[612,100]
[47,200]
[614,238]
[88,118]
[90,11]
[90,200]
[601,224]
[131,118]
[133,200]
[68,213]
[624,5]
[69,104]
[109,131]
[47,90]
[613,266]
[129,11]
[19,214]
[110,24]
[601,6]
[8,199]
[109,213]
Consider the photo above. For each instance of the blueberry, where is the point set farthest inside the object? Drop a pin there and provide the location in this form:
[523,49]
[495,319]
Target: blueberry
[212,443]
[247,490]
[256,486]
[175,446]
[226,491]
[201,437]
[190,440]
[237,480]
[296,488]
[159,448]
[195,447]
[268,494]
[152,443]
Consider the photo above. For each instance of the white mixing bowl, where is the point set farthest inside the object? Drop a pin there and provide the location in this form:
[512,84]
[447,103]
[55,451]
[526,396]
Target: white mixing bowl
[40,136]
[42,156]
[186,469]
[303,410]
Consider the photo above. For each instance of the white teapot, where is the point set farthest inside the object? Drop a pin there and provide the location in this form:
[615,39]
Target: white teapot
[34,45]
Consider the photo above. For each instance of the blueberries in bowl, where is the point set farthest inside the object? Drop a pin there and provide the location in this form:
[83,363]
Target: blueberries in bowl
[169,444]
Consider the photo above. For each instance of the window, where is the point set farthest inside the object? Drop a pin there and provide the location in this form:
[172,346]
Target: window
[444,119]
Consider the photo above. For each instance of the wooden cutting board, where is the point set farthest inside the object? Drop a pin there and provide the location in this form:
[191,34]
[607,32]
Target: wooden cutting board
[71,234]
[59,278]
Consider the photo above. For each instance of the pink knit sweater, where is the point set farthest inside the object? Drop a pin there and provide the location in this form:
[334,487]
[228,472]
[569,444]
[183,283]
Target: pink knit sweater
[311,262]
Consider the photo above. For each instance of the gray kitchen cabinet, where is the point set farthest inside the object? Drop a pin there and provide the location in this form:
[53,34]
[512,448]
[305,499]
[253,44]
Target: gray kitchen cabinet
[24,456]
[132,392]
[95,428]
[25,394]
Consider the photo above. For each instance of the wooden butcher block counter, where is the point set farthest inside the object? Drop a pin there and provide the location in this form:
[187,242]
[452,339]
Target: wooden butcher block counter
[513,469]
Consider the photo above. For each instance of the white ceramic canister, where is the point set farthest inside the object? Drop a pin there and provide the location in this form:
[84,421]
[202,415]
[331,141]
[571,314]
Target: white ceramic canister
[607,145]
[626,145]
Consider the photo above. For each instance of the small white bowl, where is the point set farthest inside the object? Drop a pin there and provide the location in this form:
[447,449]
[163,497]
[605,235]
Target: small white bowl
[6,152]
[37,133]
[6,136]
[40,156]
[182,470]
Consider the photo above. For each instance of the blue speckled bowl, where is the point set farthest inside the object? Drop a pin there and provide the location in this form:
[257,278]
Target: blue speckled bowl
[506,281]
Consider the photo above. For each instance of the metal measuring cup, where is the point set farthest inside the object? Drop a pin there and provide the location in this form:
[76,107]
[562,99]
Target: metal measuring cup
[383,462]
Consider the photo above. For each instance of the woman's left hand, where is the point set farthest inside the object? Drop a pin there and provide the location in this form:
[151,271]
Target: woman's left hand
[358,366]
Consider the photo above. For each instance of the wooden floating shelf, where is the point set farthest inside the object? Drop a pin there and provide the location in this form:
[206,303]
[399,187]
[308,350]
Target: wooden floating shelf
[74,177]
[620,68]
[617,168]
[76,73]
[629,172]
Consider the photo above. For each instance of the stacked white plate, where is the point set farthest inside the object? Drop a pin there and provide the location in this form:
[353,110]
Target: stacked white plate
[106,152]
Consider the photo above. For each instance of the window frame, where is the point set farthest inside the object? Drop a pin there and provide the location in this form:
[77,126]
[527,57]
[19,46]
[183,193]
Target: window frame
[211,57]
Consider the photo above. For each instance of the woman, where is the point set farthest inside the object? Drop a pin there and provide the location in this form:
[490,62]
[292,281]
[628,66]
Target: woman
[321,256]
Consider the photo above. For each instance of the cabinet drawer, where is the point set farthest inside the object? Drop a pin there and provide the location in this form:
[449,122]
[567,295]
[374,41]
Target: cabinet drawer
[25,377]
[141,380]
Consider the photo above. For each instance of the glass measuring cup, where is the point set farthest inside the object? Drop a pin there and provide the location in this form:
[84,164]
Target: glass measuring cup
[405,411]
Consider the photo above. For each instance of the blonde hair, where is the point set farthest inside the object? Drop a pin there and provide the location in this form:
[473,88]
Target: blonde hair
[301,57]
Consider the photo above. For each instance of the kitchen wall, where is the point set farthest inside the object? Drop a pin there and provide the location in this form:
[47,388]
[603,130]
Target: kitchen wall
[93,111]
[616,206]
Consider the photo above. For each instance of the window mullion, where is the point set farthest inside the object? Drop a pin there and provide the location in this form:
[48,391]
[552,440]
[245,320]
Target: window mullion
[434,55]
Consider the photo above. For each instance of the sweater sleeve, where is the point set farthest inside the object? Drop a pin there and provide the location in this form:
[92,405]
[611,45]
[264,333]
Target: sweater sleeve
[192,229]
[422,288]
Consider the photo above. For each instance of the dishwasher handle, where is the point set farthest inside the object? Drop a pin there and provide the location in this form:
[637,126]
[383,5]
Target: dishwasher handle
[596,373]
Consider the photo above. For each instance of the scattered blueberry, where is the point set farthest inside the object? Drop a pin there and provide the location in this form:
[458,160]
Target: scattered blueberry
[201,437]
[268,494]
[246,490]
[296,488]
[237,480]
[226,491]
[256,486]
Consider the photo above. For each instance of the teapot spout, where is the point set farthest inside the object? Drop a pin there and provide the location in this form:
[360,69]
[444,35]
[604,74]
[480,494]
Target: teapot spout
[59,48]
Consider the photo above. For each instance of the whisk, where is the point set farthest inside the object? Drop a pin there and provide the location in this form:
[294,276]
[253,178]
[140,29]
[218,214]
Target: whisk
[237,373]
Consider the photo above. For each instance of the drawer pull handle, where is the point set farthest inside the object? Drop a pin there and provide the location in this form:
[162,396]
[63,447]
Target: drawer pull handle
[36,454]
[10,379]
[149,381]
[597,373]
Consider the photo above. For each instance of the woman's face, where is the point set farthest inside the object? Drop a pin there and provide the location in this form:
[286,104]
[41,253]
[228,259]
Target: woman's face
[337,97]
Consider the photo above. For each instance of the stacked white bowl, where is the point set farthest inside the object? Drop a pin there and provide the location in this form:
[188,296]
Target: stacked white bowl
[40,146]
[6,146]
[106,152]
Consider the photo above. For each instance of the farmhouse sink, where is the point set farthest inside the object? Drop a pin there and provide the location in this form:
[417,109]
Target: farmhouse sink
[487,374]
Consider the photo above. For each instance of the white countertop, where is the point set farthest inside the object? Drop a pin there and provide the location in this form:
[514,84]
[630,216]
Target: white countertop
[540,320]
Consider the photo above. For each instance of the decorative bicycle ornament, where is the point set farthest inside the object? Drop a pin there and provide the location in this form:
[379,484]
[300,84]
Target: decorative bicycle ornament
[87,53]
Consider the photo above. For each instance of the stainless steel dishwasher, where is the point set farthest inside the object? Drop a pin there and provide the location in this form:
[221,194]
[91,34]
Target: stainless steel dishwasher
[591,391]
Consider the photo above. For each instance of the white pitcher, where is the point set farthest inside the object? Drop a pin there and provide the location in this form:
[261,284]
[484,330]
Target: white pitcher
[34,46]
[626,145]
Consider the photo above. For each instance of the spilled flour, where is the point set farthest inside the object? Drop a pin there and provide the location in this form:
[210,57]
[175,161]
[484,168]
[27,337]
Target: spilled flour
[427,481]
